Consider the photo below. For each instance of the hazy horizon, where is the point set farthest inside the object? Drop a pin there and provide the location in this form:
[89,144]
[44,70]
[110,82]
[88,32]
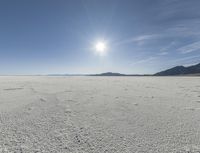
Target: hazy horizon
[89,37]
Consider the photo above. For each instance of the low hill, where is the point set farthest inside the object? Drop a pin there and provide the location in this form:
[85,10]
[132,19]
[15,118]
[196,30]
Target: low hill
[108,74]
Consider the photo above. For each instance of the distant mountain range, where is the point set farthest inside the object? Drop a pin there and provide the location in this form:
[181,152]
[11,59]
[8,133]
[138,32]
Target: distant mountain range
[116,74]
[181,70]
[193,70]
[178,70]
[108,74]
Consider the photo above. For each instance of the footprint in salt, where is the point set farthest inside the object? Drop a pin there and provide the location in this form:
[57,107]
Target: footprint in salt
[68,91]
[191,108]
[42,99]
[68,111]
[13,88]
[70,100]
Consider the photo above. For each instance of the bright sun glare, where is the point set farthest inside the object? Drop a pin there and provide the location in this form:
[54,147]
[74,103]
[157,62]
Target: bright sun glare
[100,47]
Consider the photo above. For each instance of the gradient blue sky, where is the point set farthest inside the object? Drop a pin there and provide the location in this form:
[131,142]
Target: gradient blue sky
[57,36]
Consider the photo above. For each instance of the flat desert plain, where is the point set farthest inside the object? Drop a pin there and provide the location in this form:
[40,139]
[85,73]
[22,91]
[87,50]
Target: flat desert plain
[99,114]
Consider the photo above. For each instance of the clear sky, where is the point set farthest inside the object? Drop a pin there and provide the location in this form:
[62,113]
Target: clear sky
[58,36]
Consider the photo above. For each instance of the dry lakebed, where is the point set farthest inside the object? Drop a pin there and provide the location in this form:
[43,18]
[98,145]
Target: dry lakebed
[99,114]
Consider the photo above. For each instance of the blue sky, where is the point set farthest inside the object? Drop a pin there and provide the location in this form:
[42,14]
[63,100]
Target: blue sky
[58,36]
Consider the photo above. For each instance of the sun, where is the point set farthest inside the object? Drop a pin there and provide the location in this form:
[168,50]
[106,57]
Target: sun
[100,47]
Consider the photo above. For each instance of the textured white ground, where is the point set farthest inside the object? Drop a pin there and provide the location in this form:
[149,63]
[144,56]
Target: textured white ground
[100,114]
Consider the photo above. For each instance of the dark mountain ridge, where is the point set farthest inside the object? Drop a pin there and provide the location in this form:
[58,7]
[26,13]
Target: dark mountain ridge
[180,70]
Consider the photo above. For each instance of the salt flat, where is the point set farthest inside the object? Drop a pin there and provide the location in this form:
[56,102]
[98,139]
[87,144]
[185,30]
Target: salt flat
[100,114]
